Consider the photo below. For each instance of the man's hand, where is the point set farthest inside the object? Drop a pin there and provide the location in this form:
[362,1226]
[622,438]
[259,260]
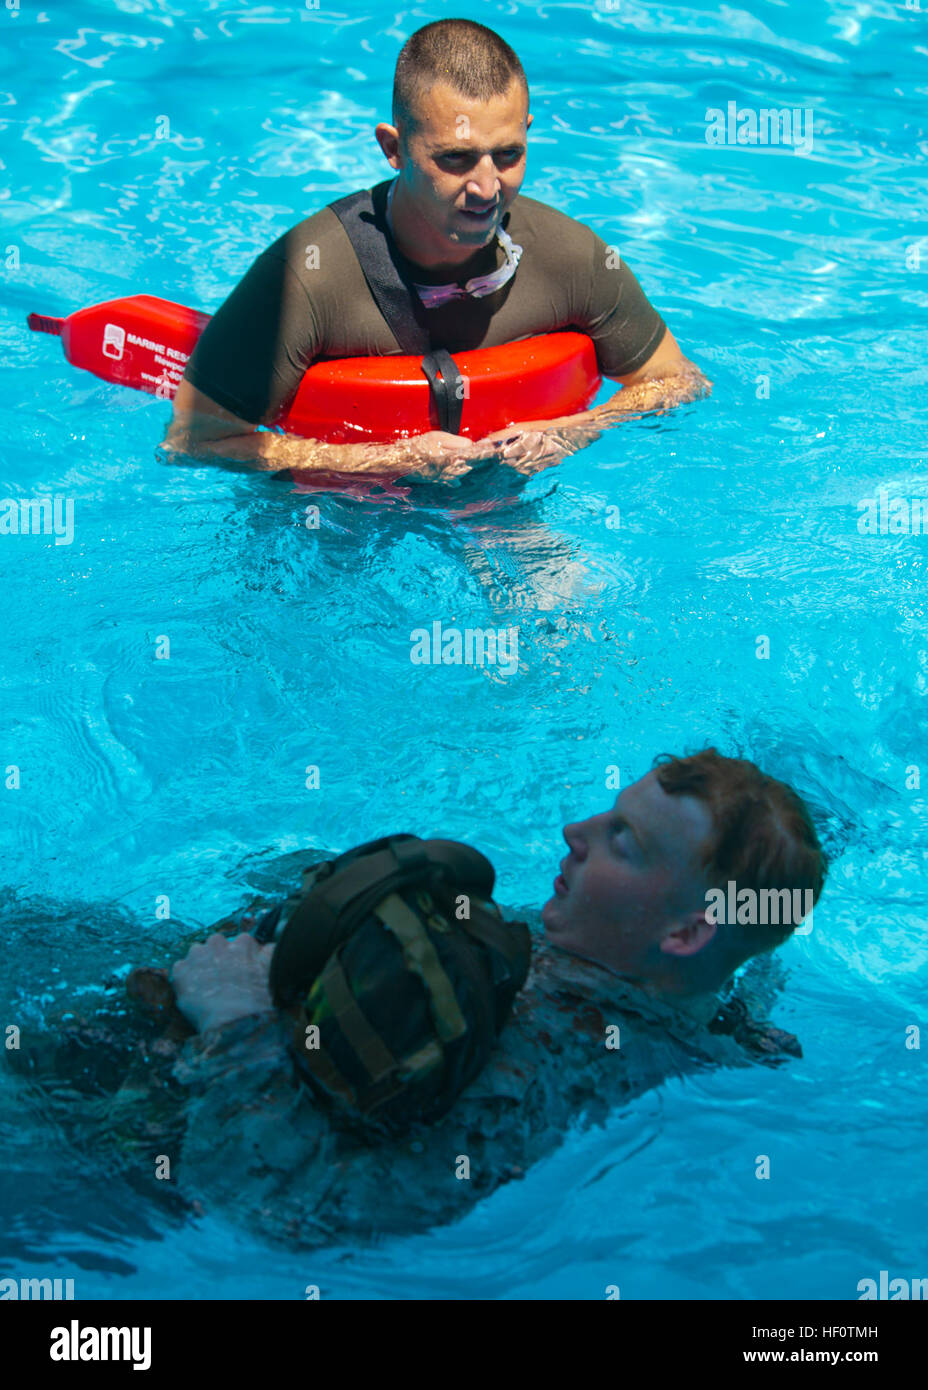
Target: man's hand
[221,979]
[527,447]
[437,456]
[534,445]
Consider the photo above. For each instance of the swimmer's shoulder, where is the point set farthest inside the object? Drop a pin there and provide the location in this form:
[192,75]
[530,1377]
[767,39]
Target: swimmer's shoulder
[317,250]
[548,228]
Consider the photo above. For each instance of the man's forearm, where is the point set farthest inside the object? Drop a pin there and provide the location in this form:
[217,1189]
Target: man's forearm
[270,452]
[653,393]
[267,451]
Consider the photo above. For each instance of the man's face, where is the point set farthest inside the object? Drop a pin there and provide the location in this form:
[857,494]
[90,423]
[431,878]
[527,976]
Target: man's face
[463,158]
[632,874]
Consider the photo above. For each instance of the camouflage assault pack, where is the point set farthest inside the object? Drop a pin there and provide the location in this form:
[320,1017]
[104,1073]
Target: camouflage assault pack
[394,971]
[397,972]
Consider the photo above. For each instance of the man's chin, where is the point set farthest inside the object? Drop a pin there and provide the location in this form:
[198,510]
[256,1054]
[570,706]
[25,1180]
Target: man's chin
[550,915]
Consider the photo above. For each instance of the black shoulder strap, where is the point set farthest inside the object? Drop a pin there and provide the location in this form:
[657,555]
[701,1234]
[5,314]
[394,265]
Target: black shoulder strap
[363,216]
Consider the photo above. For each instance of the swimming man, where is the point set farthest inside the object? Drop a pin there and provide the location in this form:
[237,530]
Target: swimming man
[628,987]
[453,215]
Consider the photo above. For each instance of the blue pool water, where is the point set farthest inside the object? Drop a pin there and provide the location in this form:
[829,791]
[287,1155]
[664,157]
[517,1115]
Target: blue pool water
[289,646]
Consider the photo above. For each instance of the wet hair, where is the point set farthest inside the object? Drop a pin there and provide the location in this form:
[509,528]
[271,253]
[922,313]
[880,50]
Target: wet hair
[763,837]
[469,57]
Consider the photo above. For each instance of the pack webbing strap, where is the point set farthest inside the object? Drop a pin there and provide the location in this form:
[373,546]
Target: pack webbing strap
[492,932]
[420,955]
[317,1061]
[370,1047]
[425,1060]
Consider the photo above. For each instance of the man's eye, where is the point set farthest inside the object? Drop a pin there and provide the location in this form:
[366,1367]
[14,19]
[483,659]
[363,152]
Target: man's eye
[508,156]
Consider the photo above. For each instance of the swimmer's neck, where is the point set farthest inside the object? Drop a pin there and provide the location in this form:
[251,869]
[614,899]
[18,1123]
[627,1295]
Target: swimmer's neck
[701,1006]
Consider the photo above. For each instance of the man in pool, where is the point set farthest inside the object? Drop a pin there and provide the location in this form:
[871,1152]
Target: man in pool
[454,215]
[625,990]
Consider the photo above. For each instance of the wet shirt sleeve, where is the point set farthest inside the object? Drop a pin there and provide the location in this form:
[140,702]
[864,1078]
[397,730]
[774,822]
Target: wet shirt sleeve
[620,319]
[257,1146]
[249,1121]
[252,354]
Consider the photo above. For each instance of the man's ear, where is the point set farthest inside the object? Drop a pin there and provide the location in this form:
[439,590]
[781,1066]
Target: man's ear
[690,935]
[388,138]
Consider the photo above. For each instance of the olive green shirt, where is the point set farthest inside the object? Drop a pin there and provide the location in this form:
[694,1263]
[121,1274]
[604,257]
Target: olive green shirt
[306,298]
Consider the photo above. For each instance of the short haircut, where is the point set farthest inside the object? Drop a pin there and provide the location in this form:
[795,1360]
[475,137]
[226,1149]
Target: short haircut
[468,57]
[763,837]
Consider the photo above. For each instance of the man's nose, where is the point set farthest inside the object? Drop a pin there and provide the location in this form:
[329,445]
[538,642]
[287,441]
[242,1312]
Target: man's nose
[576,840]
[484,181]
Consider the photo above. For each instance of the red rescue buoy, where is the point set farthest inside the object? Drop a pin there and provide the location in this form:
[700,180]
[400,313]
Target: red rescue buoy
[144,342]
